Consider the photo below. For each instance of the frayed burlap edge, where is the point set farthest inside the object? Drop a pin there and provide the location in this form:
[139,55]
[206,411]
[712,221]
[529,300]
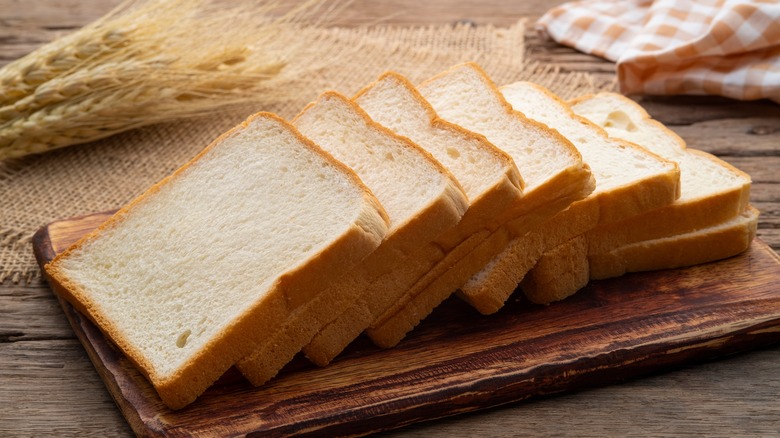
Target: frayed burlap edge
[106,174]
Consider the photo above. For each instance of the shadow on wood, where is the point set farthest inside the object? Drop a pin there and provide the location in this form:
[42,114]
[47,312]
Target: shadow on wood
[457,360]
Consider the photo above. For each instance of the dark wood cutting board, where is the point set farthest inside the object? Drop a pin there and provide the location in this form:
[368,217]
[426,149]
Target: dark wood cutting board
[458,361]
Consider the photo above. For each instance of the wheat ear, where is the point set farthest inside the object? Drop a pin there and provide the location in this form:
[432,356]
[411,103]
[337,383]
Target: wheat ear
[144,62]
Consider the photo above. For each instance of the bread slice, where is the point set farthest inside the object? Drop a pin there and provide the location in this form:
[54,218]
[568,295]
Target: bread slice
[488,290]
[701,246]
[488,175]
[422,199]
[561,270]
[713,191]
[552,169]
[567,267]
[192,275]
[629,181]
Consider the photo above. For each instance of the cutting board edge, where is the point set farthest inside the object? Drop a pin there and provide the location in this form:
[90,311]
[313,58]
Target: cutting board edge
[757,336]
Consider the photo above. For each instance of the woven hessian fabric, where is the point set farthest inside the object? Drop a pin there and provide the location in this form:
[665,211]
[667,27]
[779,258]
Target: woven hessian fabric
[106,174]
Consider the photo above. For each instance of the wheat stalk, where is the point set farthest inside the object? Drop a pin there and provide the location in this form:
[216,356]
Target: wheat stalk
[145,62]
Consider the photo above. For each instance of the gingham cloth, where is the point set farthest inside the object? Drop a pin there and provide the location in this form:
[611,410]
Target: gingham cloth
[725,47]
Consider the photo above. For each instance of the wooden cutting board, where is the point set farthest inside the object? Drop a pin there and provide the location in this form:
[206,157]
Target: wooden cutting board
[457,360]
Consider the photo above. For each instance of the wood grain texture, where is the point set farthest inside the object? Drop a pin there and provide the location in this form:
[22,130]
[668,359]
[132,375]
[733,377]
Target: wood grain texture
[458,361]
[48,386]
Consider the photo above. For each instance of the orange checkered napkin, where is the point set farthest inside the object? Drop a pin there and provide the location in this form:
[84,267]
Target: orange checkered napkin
[725,47]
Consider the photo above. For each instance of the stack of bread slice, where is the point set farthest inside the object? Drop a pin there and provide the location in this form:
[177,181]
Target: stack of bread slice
[364,214]
[195,273]
[711,220]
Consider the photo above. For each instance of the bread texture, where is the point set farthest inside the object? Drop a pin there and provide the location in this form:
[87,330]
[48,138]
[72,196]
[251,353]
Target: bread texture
[193,274]
[554,175]
[702,246]
[422,199]
[712,190]
[712,193]
[567,267]
[488,175]
[561,270]
[629,181]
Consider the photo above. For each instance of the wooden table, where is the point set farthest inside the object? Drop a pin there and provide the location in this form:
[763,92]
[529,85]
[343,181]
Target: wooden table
[49,387]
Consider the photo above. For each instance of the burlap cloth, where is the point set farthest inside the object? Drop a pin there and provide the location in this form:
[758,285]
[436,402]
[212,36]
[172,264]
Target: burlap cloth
[106,174]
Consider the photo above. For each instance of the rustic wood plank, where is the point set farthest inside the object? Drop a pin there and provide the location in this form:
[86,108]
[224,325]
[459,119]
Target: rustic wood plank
[46,381]
[623,328]
[686,110]
[54,14]
[696,401]
[413,12]
[31,313]
[728,137]
[766,193]
[727,398]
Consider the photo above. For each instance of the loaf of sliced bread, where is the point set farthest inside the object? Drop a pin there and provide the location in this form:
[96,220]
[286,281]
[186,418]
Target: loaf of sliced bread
[717,242]
[488,290]
[553,171]
[422,199]
[567,267]
[193,275]
[561,270]
[629,180]
[488,175]
[712,192]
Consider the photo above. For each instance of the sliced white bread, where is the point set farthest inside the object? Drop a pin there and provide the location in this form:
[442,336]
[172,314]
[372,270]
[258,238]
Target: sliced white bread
[567,267]
[488,175]
[629,181]
[561,270]
[701,246]
[488,290]
[422,199]
[552,169]
[192,275]
[713,191]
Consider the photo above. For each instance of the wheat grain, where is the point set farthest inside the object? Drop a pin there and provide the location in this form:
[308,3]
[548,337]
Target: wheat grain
[145,62]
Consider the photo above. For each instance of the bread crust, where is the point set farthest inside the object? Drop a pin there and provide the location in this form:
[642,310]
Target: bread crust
[507,189]
[643,242]
[640,195]
[483,210]
[570,184]
[714,243]
[562,270]
[506,271]
[440,215]
[554,195]
[208,364]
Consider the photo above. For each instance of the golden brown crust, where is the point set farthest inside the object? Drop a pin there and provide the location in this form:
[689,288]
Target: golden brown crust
[334,337]
[675,218]
[512,172]
[428,293]
[401,139]
[578,167]
[627,200]
[441,214]
[245,332]
[559,274]
[636,196]
[507,189]
[677,251]
[510,268]
[569,185]
[266,361]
